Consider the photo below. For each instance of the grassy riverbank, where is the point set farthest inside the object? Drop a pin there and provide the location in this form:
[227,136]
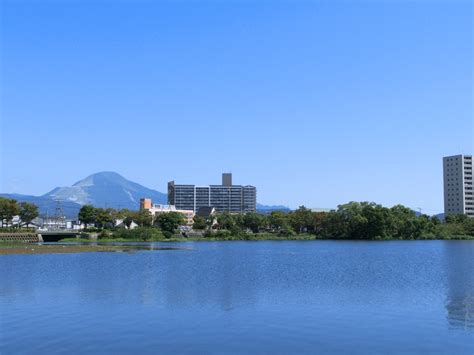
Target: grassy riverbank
[256,237]
[81,245]
[251,237]
[23,248]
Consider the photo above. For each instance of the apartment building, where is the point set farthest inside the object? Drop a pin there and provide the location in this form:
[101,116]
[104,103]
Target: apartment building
[224,198]
[458,188]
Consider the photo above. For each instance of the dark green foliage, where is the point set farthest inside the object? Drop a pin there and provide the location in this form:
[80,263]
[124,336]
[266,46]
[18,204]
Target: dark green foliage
[104,218]
[367,220]
[100,217]
[8,209]
[143,218]
[104,235]
[169,222]
[199,223]
[301,220]
[226,221]
[142,233]
[88,214]
[28,212]
[278,221]
[457,225]
[354,220]
[254,222]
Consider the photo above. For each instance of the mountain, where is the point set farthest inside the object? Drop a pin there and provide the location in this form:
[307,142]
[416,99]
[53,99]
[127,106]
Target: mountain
[270,208]
[106,189]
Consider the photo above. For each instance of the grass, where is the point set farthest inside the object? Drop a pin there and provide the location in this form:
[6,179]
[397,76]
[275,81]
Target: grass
[108,240]
[178,238]
[31,248]
[26,248]
[248,237]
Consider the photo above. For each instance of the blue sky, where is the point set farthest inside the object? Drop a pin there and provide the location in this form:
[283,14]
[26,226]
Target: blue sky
[314,102]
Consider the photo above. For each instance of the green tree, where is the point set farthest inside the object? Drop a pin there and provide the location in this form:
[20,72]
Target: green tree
[169,222]
[469,226]
[318,219]
[28,212]
[254,221]
[122,213]
[8,209]
[378,221]
[278,221]
[456,225]
[404,223]
[435,220]
[301,220]
[199,222]
[87,214]
[455,218]
[142,233]
[226,221]
[104,218]
[353,220]
[143,218]
[334,226]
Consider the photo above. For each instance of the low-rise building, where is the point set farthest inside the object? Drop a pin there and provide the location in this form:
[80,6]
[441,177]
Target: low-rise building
[206,212]
[147,204]
[120,223]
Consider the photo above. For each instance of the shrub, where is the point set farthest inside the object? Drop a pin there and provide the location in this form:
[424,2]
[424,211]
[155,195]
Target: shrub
[167,234]
[142,233]
[104,235]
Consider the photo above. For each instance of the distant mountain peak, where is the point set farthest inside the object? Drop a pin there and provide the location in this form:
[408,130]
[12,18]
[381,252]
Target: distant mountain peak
[102,176]
[106,189]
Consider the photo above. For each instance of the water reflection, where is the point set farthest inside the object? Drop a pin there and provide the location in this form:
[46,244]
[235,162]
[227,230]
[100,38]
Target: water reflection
[171,279]
[208,279]
[460,283]
[243,297]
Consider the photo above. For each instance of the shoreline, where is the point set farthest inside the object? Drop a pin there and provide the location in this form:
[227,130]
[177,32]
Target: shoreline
[305,237]
[71,246]
[34,249]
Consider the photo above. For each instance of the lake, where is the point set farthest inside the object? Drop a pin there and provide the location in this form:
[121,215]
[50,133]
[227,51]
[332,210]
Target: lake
[243,297]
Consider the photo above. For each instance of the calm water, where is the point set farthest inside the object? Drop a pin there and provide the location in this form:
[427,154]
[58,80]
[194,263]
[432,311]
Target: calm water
[243,297]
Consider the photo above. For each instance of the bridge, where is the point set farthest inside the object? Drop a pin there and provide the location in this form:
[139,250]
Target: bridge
[38,236]
[55,235]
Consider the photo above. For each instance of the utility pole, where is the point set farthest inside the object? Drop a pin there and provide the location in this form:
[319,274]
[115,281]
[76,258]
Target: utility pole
[59,217]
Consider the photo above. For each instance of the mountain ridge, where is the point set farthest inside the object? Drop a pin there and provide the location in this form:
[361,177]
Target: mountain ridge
[106,189]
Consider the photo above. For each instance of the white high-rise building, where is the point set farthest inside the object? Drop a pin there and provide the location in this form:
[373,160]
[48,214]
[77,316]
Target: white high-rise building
[458,192]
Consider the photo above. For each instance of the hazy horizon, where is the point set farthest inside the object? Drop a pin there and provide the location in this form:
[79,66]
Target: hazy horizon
[315,103]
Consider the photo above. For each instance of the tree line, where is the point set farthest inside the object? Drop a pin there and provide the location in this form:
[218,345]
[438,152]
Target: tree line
[10,208]
[354,220]
[105,218]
